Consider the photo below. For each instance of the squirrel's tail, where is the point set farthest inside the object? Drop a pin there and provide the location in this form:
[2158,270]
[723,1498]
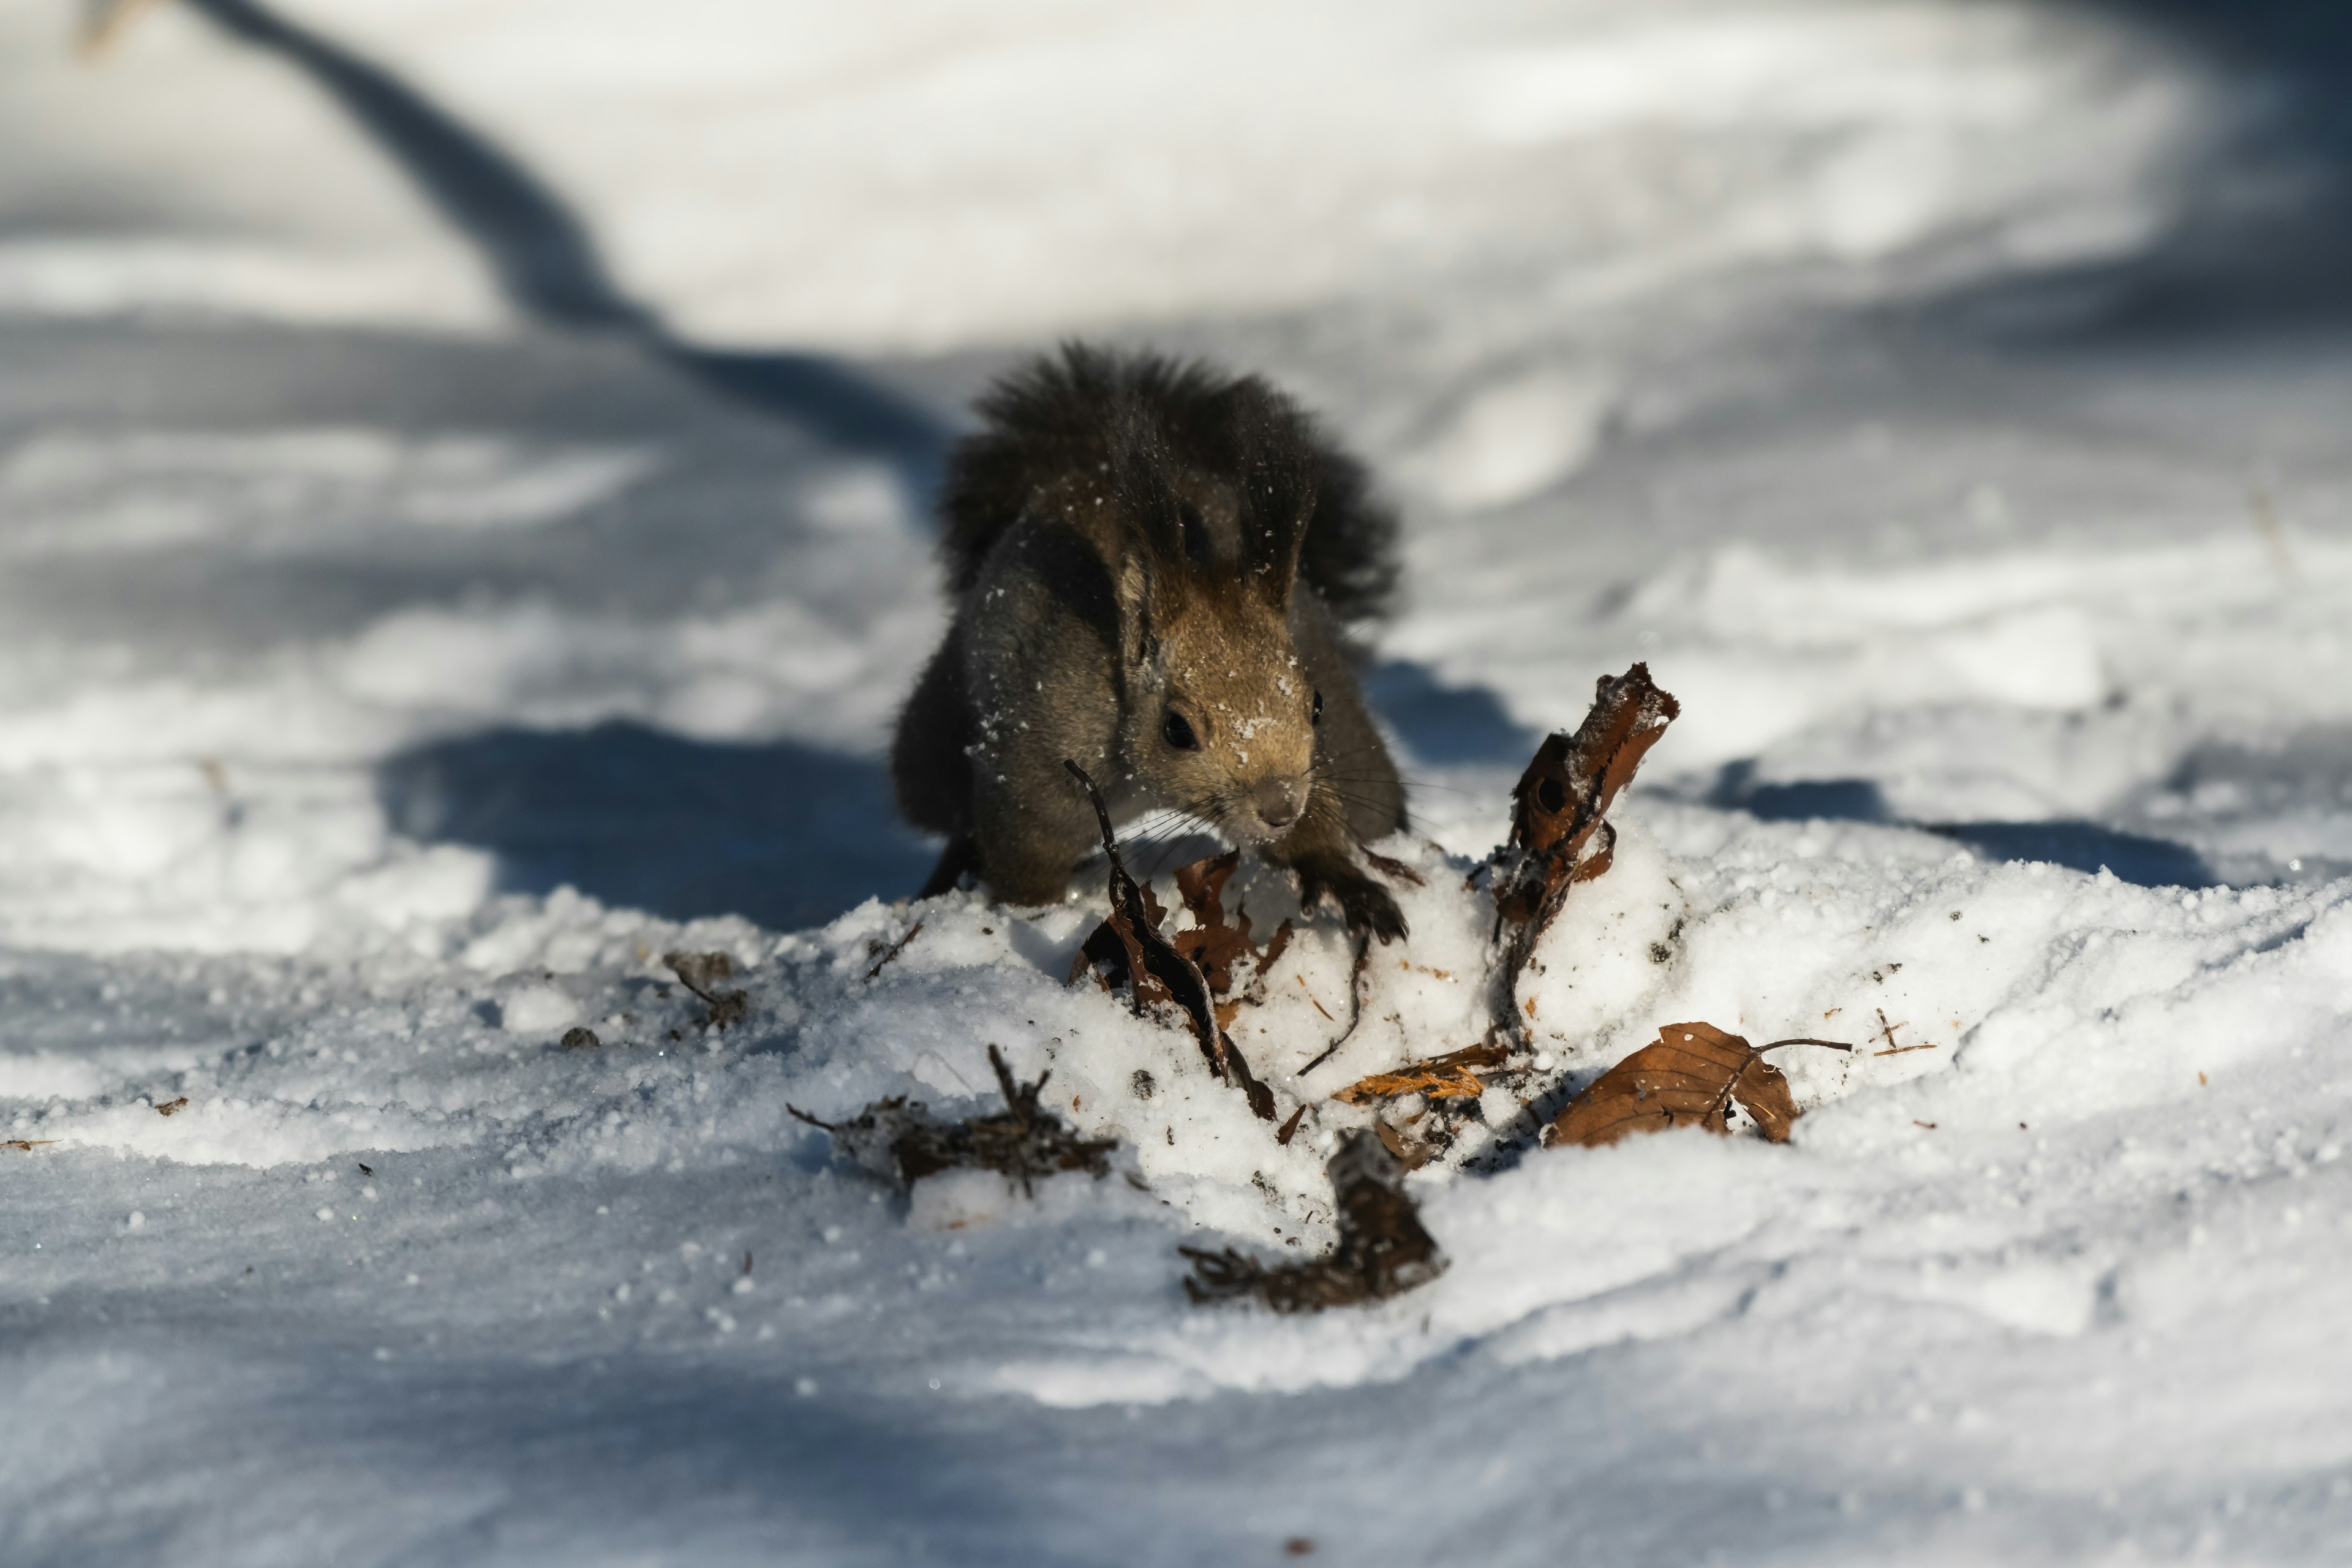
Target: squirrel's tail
[1055,416]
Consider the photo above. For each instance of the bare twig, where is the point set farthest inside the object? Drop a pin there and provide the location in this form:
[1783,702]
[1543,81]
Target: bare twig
[1355,1002]
[897,948]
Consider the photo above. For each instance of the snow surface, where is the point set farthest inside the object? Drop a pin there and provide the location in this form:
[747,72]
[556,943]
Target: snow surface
[396,677]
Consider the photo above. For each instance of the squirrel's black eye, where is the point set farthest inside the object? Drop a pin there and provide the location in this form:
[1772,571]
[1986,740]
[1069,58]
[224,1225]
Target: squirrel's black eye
[1177,731]
[1316,716]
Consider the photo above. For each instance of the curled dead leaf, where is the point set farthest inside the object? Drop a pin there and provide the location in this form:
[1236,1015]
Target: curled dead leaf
[1689,1076]
[1440,1078]
[24,1145]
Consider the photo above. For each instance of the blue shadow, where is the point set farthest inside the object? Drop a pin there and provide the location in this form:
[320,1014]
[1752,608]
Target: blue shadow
[2078,845]
[1442,724]
[550,269]
[782,833]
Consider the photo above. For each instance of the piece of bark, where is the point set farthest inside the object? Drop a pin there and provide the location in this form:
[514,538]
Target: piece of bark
[1689,1076]
[1568,787]
[1156,970]
[1559,836]
[1382,1251]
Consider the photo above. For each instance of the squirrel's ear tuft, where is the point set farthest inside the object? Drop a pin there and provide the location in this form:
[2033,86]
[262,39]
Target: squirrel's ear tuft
[1279,482]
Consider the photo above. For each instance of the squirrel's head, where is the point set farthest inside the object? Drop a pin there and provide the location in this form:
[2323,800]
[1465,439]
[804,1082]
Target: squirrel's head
[1220,715]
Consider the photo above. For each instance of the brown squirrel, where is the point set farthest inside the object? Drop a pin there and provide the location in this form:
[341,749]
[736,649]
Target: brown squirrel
[1152,565]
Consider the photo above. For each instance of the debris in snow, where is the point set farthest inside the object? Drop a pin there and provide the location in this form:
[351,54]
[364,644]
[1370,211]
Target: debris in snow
[1688,1077]
[580,1039]
[173,1107]
[24,1145]
[900,1140]
[1355,1002]
[700,972]
[1154,969]
[1382,1251]
[1440,1078]
[895,949]
[1221,947]
[1558,836]
[1887,1032]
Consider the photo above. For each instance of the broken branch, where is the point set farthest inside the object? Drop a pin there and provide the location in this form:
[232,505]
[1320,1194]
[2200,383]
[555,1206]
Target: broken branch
[1557,835]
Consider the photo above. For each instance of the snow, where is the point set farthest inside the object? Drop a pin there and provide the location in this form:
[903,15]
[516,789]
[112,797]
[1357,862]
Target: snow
[394,679]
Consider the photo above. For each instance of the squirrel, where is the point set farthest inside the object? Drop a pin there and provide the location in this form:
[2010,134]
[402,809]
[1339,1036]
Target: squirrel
[1155,567]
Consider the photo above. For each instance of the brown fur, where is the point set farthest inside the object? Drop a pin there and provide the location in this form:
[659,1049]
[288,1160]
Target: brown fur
[1132,539]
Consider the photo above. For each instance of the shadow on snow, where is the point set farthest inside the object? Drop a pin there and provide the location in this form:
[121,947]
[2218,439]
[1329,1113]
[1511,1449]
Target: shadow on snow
[781,833]
[2078,845]
[549,267]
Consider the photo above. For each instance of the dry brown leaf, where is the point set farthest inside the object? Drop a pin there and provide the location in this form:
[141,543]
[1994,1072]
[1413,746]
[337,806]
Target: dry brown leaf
[1440,1078]
[1216,945]
[173,1107]
[24,1145]
[1689,1077]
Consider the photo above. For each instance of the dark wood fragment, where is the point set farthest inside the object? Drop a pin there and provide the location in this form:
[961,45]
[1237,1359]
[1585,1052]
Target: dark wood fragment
[1383,1250]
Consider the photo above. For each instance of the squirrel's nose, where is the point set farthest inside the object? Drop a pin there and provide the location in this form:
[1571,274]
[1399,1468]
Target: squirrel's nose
[1278,800]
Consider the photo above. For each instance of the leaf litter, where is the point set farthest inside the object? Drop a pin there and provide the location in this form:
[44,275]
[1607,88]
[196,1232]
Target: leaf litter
[701,973]
[1383,1249]
[1689,1076]
[901,1142]
[1448,1077]
[1130,945]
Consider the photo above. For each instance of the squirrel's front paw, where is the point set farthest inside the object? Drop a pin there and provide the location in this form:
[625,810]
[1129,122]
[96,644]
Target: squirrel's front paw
[1368,906]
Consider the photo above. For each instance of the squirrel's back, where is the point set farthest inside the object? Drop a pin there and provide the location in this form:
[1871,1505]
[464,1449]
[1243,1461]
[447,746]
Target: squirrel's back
[1063,414]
